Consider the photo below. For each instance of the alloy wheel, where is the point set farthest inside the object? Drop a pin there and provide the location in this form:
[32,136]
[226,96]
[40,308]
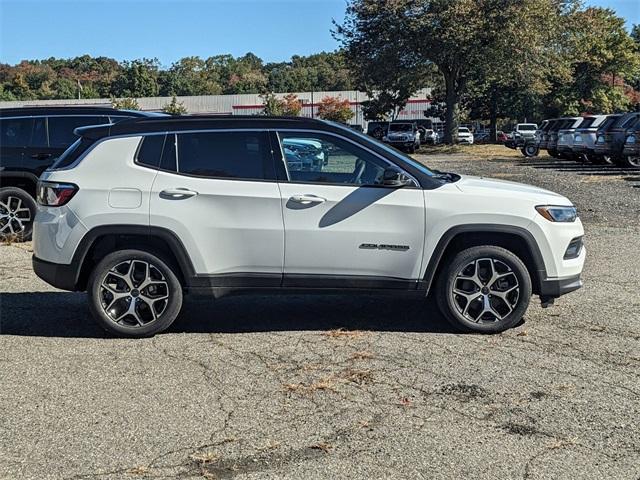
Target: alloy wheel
[14,216]
[485,290]
[634,161]
[134,293]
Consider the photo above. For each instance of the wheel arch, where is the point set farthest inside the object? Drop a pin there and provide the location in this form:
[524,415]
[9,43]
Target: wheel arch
[515,239]
[100,241]
[24,181]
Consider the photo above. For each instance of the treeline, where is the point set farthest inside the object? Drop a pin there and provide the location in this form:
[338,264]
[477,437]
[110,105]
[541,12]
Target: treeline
[103,77]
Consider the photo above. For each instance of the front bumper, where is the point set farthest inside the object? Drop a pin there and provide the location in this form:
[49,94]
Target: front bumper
[556,287]
[55,274]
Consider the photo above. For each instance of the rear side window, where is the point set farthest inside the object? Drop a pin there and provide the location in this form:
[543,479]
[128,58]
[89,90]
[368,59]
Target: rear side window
[150,150]
[61,128]
[16,132]
[241,155]
[72,153]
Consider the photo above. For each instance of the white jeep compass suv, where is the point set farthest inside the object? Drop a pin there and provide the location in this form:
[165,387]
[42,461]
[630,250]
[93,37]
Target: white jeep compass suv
[140,212]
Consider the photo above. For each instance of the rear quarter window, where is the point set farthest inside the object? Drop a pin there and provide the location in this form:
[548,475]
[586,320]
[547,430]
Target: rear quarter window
[72,153]
[150,150]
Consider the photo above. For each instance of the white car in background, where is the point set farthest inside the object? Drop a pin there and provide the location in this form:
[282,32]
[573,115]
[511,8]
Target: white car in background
[465,136]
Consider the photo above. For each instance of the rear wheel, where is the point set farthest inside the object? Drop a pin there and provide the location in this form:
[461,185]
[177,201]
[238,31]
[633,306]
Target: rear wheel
[632,161]
[484,289]
[17,211]
[134,293]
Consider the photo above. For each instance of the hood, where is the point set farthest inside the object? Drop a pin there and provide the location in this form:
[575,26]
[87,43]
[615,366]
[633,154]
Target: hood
[504,188]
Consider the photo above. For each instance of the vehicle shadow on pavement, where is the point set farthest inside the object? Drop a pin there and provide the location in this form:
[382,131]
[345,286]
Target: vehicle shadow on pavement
[64,314]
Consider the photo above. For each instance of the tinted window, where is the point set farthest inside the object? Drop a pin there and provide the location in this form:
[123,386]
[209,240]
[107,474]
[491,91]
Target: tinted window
[61,129]
[243,155]
[586,123]
[169,154]
[608,122]
[15,132]
[72,153]
[39,133]
[150,151]
[319,158]
[629,122]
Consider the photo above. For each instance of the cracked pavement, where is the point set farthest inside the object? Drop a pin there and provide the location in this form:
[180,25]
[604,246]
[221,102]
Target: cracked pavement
[319,387]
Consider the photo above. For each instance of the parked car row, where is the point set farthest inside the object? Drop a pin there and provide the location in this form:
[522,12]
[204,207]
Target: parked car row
[406,135]
[605,139]
[31,139]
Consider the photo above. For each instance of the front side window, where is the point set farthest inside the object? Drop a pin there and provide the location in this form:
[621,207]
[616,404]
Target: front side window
[320,158]
[238,154]
[61,128]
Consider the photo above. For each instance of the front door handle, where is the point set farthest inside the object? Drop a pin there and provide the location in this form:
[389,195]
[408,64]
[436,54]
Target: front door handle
[177,193]
[41,156]
[307,199]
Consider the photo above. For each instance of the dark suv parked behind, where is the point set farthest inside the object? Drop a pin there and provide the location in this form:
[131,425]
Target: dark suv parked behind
[31,138]
[610,141]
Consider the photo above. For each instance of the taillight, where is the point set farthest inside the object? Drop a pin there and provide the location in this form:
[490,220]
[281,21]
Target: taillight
[52,194]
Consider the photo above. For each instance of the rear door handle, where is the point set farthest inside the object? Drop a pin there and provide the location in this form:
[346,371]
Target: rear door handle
[41,156]
[307,199]
[177,193]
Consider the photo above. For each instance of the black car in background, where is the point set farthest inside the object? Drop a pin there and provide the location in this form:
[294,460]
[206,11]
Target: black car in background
[377,129]
[545,130]
[560,124]
[31,138]
[610,141]
[631,149]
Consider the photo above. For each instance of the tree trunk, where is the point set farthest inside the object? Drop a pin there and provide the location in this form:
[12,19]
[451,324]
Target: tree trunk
[451,115]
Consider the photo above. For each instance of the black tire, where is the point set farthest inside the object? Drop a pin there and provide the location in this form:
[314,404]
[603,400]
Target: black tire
[136,325]
[530,151]
[632,161]
[511,310]
[21,207]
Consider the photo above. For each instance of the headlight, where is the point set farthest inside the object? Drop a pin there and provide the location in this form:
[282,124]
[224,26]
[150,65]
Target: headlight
[555,213]
[577,138]
[600,139]
[631,139]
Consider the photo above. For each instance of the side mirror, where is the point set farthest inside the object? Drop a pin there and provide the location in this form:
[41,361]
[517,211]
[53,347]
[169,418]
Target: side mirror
[392,177]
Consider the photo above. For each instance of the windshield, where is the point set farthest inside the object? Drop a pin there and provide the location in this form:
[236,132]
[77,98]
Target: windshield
[527,126]
[463,130]
[400,127]
[396,153]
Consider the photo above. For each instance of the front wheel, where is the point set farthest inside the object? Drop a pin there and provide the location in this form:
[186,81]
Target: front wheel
[484,289]
[17,211]
[134,294]
[530,151]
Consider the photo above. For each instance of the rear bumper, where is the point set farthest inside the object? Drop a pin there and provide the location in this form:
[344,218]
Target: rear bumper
[556,287]
[55,274]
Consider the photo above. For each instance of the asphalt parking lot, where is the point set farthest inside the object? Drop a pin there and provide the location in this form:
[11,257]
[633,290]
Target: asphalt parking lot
[307,387]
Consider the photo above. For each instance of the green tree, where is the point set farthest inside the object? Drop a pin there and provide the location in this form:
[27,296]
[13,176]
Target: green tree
[174,107]
[139,78]
[453,35]
[335,109]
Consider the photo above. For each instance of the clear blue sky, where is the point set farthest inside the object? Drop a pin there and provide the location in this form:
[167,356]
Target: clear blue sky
[171,29]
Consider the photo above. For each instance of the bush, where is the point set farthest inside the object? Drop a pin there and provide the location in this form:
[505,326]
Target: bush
[335,109]
[125,103]
[174,107]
